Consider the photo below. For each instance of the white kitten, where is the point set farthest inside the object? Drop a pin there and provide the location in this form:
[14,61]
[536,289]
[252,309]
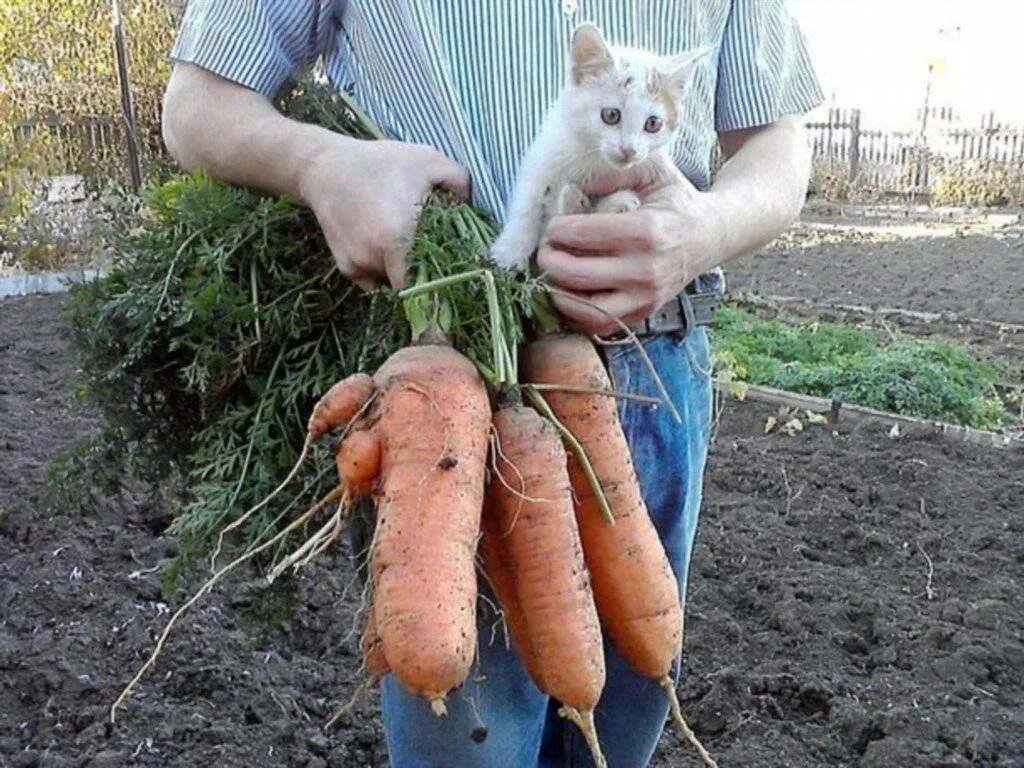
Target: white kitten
[619,110]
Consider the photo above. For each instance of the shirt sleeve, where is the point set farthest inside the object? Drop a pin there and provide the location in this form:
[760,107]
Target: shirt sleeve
[764,71]
[256,43]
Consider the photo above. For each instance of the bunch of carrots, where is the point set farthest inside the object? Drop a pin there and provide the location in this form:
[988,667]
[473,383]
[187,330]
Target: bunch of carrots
[493,457]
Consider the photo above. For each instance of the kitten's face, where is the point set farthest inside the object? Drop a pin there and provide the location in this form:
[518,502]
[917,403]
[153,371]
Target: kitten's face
[624,104]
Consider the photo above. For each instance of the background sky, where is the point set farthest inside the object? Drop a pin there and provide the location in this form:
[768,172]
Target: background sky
[874,54]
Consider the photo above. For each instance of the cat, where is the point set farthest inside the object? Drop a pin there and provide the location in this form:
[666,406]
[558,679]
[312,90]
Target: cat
[619,110]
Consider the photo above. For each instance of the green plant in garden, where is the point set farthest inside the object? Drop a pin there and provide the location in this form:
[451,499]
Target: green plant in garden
[928,379]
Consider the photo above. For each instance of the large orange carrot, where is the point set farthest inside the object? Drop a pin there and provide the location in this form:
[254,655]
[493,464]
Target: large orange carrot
[636,592]
[532,554]
[635,589]
[431,422]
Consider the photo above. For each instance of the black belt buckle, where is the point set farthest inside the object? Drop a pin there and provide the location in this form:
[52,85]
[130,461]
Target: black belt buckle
[689,316]
[697,308]
[693,307]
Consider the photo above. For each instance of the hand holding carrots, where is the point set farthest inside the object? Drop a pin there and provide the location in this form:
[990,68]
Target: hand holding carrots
[366,196]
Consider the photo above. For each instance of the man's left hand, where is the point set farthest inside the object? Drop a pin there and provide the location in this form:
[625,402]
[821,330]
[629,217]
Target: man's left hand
[627,265]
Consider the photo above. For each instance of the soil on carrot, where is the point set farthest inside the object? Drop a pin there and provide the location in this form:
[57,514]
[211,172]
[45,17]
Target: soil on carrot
[854,601]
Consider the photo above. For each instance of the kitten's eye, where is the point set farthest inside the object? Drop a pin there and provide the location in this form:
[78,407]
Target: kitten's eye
[611,116]
[653,124]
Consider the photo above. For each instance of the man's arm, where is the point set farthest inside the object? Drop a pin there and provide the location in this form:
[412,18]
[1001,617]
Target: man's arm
[235,134]
[238,136]
[630,264]
[766,170]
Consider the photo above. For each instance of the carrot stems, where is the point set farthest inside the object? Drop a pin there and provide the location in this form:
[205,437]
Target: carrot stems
[537,401]
[505,368]
[441,282]
[361,118]
[575,390]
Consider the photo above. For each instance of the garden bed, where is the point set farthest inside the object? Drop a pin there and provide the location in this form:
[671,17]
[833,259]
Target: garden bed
[854,601]
[974,274]
[932,379]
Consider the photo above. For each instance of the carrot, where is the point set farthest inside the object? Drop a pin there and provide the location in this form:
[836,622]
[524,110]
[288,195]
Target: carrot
[373,653]
[341,403]
[358,460]
[430,419]
[533,556]
[635,589]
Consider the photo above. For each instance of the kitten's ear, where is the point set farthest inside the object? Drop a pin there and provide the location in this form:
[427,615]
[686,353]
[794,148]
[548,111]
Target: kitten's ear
[589,53]
[681,67]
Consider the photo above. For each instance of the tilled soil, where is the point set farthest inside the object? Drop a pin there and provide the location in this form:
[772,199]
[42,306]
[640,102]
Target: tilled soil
[973,275]
[854,601]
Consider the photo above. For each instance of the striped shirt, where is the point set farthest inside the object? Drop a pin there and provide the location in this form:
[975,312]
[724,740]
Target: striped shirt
[474,78]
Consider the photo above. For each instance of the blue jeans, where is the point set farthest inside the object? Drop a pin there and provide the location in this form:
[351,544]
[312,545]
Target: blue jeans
[498,719]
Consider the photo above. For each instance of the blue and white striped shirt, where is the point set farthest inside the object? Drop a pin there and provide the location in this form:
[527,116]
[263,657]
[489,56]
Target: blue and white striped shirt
[474,78]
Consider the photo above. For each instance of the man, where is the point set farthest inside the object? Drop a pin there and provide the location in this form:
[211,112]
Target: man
[461,86]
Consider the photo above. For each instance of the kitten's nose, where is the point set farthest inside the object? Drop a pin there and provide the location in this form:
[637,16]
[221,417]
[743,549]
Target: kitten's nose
[627,154]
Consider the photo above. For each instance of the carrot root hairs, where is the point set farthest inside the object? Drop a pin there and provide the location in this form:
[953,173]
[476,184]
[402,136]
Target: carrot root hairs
[585,722]
[677,717]
[331,497]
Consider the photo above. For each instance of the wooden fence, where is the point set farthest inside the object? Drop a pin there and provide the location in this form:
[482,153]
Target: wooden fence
[95,148]
[893,161]
[907,161]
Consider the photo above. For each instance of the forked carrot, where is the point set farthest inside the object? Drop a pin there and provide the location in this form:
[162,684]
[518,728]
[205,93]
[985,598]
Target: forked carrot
[431,420]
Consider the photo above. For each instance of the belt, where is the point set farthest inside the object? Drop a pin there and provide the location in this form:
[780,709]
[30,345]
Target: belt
[694,307]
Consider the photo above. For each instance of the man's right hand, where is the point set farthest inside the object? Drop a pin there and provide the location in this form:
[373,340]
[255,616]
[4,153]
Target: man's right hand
[366,196]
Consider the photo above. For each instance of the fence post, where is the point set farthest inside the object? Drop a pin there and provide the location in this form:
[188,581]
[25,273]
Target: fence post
[854,144]
[131,132]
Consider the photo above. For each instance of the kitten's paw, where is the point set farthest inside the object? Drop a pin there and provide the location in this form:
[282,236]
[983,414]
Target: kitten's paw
[571,200]
[511,251]
[623,201]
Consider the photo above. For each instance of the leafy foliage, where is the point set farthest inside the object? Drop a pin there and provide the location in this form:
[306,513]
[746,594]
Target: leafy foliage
[978,183]
[927,379]
[224,319]
[207,344]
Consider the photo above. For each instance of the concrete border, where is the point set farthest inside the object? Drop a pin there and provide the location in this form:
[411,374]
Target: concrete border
[837,411]
[44,282]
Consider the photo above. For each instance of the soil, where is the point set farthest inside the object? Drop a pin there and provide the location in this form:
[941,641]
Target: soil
[854,601]
[976,274]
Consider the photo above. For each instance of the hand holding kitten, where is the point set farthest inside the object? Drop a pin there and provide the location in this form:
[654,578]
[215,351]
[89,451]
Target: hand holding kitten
[629,264]
[603,148]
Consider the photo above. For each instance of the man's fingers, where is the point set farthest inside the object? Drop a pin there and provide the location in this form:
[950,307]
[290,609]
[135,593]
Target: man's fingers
[635,178]
[365,282]
[396,266]
[451,176]
[582,273]
[602,232]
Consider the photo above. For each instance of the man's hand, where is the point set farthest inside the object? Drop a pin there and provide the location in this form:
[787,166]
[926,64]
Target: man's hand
[627,265]
[366,196]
